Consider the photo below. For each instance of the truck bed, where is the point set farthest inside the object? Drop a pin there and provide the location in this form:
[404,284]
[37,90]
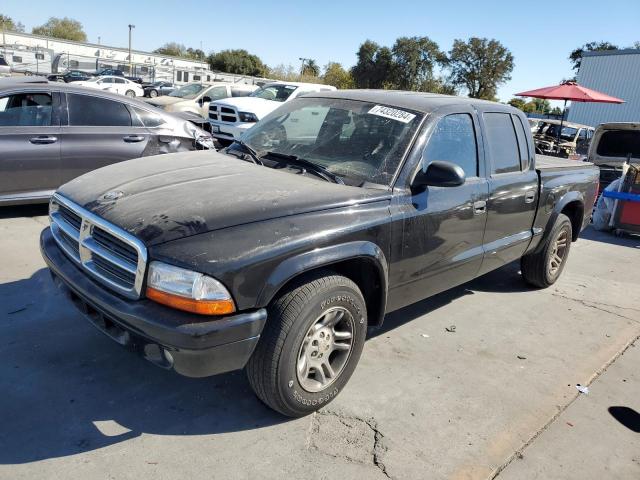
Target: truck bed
[546,162]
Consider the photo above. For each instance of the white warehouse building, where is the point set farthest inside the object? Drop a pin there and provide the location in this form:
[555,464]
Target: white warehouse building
[616,73]
[35,54]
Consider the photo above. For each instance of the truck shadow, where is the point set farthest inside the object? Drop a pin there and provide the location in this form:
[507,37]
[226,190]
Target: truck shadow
[68,389]
[35,210]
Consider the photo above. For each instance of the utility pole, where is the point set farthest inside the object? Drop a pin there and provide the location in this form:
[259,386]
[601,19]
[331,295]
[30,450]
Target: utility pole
[130,58]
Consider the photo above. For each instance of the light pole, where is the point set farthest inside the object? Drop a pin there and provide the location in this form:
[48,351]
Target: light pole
[130,59]
[302,59]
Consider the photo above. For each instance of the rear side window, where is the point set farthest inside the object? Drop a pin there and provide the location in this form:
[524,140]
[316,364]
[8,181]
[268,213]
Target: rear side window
[502,143]
[523,142]
[88,111]
[619,143]
[454,140]
[237,92]
[25,110]
[119,80]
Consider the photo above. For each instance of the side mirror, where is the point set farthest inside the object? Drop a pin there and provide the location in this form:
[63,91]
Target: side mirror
[204,100]
[440,174]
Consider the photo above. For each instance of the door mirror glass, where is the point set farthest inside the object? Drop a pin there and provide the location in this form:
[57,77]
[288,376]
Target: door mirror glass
[440,174]
[205,99]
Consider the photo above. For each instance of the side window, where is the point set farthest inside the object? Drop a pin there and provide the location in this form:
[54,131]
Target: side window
[146,118]
[237,92]
[196,78]
[25,110]
[88,111]
[178,76]
[119,80]
[502,143]
[523,143]
[186,76]
[454,140]
[106,80]
[217,93]
[17,59]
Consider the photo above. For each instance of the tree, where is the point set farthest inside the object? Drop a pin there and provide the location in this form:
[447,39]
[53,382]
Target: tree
[283,72]
[374,68]
[310,68]
[576,55]
[195,53]
[414,60]
[239,62]
[337,76]
[65,28]
[556,111]
[517,103]
[173,49]
[542,105]
[480,65]
[8,25]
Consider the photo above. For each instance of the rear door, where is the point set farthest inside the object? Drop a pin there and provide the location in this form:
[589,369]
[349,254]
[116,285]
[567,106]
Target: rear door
[98,131]
[513,188]
[29,143]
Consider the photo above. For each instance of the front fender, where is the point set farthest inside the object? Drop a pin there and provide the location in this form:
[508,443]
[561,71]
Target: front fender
[325,257]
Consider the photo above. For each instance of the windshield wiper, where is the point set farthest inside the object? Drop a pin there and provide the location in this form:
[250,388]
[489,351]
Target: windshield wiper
[319,170]
[253,155]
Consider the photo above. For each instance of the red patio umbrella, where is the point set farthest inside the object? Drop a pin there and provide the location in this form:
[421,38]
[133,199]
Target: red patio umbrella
[569,91]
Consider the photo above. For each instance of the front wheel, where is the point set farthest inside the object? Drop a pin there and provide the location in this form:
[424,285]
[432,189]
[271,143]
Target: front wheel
[130,93]
[543,268]
[153,93]
[311,344]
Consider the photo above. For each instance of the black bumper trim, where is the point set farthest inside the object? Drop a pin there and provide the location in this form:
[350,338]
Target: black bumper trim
[195,347]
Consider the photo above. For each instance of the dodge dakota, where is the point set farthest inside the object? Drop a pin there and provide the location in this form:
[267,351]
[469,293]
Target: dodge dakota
[276,254]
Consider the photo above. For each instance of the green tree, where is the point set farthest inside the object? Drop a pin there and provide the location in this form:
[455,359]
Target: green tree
[480,65]
[517,103]
[7,24]
[556,111]
[310,68]
[542,105]
[414,60]
[65,28]
[374,68]
[195,53]
[575,57]
[337,76]
[529,107]
[239,62]
[283,72]
[173,49]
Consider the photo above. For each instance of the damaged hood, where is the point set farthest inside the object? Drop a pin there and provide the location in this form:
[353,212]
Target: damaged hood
[167,197]
[163,101]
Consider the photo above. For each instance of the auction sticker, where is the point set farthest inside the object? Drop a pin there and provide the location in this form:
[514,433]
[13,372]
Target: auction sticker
[392,113]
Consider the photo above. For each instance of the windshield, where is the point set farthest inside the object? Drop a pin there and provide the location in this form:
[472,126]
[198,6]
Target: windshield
[190,91]
[277,93]
[567,133]
[361,141]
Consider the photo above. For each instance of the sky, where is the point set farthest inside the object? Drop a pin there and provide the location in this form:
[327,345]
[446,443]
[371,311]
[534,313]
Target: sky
[282,31]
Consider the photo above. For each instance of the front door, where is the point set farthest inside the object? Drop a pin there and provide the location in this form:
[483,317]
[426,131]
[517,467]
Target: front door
[443,228]
[99,132]
[29,144]
[513,189]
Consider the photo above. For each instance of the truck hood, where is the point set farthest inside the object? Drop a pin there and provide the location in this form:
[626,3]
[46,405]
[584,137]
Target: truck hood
[259,106]
[167,197]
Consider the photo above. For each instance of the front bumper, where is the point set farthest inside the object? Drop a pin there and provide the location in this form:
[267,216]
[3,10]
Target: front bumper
[169,338]
[226,131]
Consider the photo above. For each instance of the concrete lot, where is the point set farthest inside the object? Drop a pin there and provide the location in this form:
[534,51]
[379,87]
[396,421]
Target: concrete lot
[497,397]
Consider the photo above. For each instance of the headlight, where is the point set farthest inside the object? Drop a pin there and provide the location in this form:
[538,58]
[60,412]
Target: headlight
[186,290]
[247,117]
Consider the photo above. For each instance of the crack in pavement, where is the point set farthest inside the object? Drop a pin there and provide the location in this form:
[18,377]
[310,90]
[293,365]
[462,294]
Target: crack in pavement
[598,306]
[353,435]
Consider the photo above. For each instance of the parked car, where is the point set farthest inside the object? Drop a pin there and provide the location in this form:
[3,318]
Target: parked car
[70,76]
[111,72]
[613,143]
[338,207]
[573,137]
[194,98]
[114,84]
[230,117]
[53,132]
[5,69]
[157,89]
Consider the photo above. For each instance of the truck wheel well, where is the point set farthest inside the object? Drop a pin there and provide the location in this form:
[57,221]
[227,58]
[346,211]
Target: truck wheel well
[574,210]
[364,274]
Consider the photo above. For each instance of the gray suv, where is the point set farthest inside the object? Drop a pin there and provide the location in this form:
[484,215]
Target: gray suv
[51,133]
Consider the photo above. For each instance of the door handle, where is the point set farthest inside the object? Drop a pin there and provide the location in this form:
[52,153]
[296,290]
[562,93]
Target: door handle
[479,207]
[133,138]
[529,196]
[43,140]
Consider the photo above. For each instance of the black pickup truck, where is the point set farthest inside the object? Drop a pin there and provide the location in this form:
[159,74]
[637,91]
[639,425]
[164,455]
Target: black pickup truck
[277,253]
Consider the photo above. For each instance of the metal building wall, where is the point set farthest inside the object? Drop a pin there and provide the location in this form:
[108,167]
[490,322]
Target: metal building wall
[615,73]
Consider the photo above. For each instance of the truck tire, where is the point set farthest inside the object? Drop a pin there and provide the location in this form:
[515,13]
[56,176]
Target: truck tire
[310,345]
[543,268]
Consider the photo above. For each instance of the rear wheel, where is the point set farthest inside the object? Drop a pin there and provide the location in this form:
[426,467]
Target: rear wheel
[311,344]
[130,93]
[153,93]
[543,268]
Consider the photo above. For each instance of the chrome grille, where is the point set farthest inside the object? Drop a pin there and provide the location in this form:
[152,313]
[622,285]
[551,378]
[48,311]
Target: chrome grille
[223,114]
[107,253]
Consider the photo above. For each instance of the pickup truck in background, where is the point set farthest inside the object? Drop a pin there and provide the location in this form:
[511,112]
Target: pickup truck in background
[231,117]
[612,144]
[277,253]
